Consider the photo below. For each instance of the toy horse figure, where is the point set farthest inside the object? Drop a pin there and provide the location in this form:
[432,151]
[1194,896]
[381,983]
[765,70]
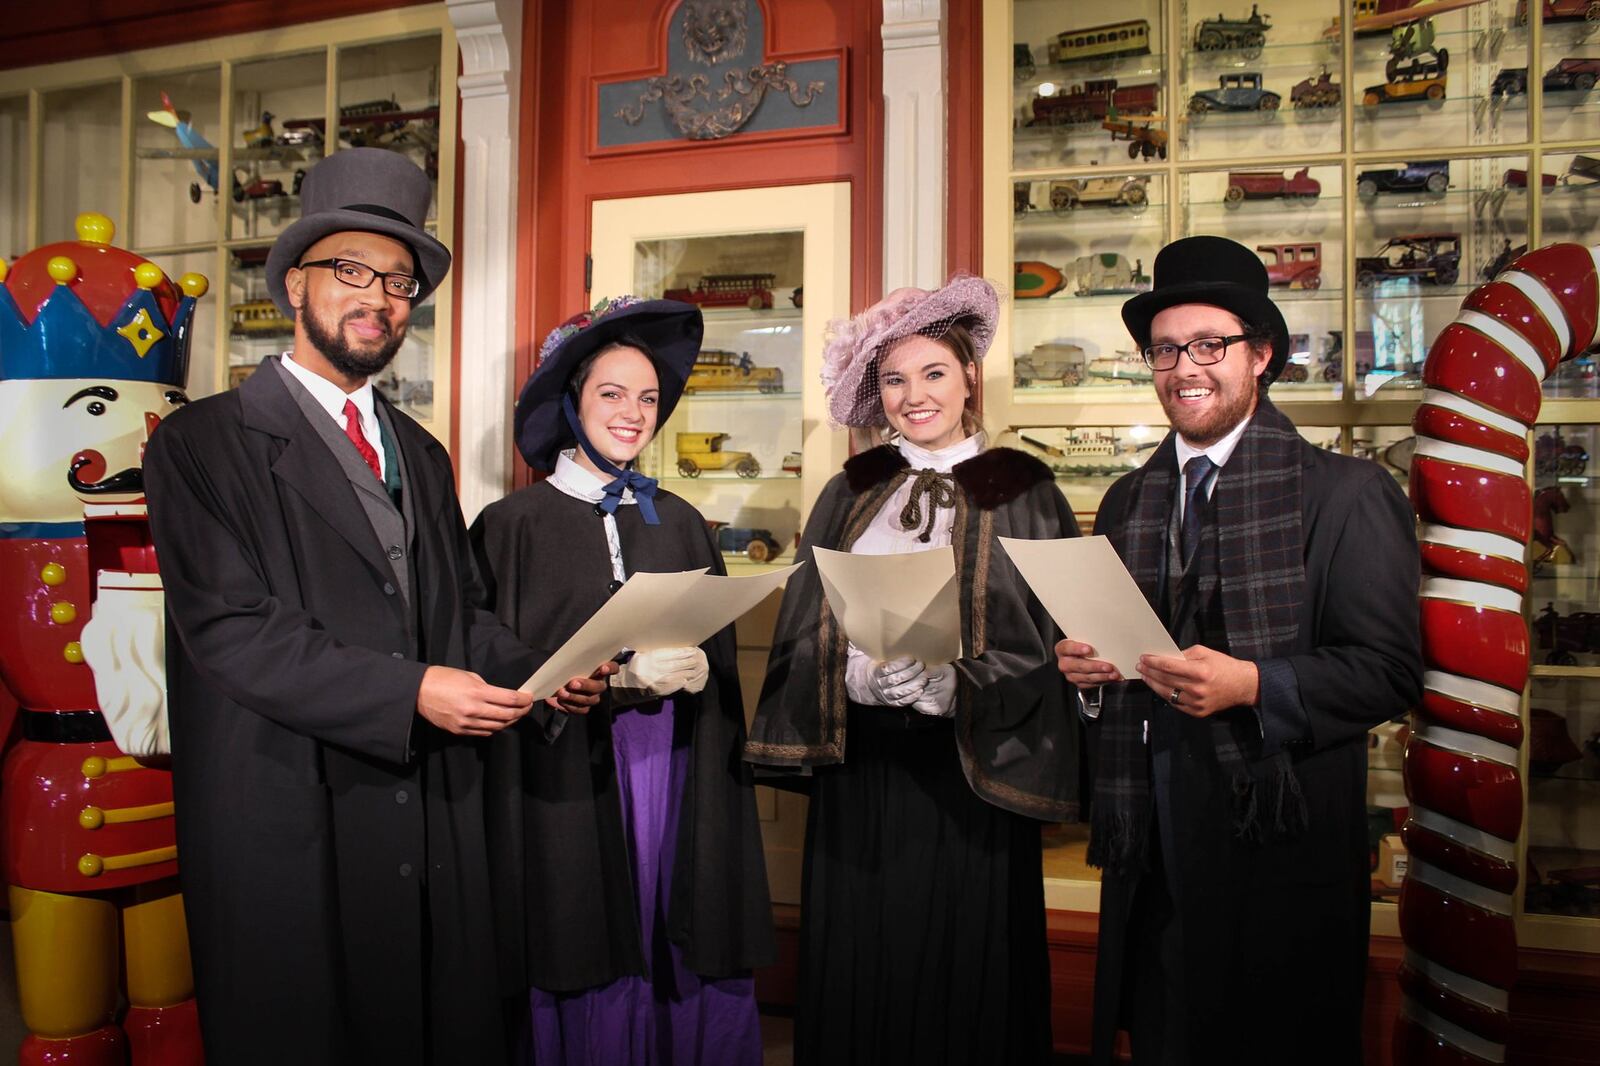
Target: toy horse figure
[1547,503]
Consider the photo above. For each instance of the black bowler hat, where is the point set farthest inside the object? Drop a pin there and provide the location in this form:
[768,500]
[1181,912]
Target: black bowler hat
[1216,271]
[670,329]
[372,190]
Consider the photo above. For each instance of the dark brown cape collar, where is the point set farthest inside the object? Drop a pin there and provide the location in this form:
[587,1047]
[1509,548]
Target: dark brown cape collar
[990,479]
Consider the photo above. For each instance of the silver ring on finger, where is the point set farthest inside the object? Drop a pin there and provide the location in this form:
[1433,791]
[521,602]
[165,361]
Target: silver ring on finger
[1177,694]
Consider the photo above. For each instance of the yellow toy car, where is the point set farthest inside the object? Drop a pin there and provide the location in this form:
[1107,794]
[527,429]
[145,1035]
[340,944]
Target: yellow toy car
[703,451]
[718,370]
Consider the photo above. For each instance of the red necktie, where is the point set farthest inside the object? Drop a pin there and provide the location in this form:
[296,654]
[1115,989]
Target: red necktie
[352,429]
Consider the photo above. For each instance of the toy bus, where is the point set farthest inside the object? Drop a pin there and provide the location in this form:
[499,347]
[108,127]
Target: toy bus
[1131,38]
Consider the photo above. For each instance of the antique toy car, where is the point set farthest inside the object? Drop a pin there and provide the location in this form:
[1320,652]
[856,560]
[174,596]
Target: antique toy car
[258,318]
[1067,195]
[1583,172]
[791,463]
[1422,81]
[1573,74]
[1554,456]
[703,451]
[1221,33]
[1430,175]
[1131,38]
[728,290]
[1434,258]
[1298,266]
[718,370]
[1033,280]
[1321,91]
[758,545]
[1093,101]
[1235,92]
[1061,363]
[1517,178]
[1268,184]
[1105,273]
[1144,137]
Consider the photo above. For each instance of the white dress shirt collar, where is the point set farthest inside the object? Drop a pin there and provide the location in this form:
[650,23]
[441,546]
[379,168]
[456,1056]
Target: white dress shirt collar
[579,481]
[331,398]
[943,460]
[1219,453]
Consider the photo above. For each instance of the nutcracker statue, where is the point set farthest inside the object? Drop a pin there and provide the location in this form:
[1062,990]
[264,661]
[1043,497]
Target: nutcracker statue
[94,350]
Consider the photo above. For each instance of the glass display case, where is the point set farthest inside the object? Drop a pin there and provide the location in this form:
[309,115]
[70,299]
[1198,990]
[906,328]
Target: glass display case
[198,159]
[1382,165]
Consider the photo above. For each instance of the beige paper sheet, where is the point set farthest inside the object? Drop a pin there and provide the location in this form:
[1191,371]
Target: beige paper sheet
[652,611]
[1092,597]
[894,606]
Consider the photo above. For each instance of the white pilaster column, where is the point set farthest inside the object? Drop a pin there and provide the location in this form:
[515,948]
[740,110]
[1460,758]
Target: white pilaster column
[914,144]
[489,34]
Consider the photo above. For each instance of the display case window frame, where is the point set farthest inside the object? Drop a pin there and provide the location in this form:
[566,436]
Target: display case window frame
[225,54]
[1348,412]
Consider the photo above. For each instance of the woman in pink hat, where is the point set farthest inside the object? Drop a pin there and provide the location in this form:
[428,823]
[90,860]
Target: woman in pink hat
[922,926]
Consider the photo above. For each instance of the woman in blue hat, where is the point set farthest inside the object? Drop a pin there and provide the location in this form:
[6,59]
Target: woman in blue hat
[630,885]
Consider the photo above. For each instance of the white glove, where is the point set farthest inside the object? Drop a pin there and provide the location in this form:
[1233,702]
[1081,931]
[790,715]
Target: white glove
[663,671]
[124,643]
[938,692]
[897,683]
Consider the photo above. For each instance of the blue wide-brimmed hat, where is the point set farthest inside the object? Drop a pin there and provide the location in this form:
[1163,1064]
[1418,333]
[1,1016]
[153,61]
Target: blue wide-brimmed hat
[670,329]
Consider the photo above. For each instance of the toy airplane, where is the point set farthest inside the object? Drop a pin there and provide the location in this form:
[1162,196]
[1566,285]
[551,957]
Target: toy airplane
[205,157]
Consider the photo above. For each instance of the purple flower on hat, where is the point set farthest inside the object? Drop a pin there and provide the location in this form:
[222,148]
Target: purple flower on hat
[581,321]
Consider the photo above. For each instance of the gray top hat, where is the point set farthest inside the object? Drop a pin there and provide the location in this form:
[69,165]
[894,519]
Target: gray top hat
[368,189]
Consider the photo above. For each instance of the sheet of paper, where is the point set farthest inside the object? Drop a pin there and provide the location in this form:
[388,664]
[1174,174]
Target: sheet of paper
[1092,597]
[654,611]
[893,606]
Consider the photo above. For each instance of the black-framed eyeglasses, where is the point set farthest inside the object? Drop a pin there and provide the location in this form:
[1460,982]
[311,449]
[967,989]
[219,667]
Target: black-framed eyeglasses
[359,276]
[1203,351]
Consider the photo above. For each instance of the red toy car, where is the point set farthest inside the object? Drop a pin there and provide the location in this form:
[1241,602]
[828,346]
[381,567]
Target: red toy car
[1297,266]
[728,290]
[1268,184]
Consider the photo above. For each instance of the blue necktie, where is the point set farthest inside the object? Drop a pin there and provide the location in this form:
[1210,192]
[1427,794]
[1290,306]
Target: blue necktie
[1196,475]
[644,488]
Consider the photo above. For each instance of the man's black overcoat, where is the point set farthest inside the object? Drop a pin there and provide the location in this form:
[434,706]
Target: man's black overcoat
[331,841]
[1274,935]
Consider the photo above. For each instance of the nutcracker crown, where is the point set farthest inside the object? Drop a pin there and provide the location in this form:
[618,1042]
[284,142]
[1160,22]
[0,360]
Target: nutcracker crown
[87,309]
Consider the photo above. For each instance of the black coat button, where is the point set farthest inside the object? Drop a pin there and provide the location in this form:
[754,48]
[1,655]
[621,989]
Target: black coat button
[401,796]
[613,587]
[599,512]
[405,869]
[397,655]
[388,589]
[395,552]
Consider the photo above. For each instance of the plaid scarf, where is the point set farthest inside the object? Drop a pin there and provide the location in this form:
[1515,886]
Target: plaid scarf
[1260,565]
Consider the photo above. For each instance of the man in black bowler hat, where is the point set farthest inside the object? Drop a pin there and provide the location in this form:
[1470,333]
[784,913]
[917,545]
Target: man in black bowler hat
[1229,789]
[331,677]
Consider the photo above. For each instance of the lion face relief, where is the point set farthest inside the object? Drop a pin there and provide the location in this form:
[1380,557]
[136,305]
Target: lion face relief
[714,31]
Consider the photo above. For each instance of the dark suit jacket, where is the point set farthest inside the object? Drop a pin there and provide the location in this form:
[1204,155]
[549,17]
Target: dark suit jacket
[333,857]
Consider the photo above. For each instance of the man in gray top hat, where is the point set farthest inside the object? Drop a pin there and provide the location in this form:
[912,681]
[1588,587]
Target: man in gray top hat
[330,674]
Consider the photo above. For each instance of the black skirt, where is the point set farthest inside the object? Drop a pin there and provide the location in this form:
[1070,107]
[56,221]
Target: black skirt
[922,915]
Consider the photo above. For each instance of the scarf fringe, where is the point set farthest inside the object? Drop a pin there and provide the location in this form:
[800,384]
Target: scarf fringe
[1279,796]
[1116,841]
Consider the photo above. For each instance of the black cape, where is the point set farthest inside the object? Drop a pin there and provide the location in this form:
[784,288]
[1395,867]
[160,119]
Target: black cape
[1015,720]
[1275,934]
[312,801]
[565,900]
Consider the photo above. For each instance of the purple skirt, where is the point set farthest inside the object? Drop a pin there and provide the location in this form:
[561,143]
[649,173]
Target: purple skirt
[672,1018]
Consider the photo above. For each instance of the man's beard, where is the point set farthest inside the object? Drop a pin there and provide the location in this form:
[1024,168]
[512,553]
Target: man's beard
[338,352]
[1204,431]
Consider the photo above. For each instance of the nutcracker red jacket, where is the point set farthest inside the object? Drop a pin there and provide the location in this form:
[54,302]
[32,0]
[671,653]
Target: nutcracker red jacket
[331,844]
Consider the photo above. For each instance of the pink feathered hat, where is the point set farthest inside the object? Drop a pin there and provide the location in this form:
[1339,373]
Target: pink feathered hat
[850,359]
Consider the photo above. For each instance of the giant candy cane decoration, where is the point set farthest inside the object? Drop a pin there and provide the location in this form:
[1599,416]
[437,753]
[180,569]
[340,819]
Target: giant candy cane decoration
[1483,377]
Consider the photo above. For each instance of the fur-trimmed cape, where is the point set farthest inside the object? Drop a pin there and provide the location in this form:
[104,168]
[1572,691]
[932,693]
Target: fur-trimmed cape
[1014,720]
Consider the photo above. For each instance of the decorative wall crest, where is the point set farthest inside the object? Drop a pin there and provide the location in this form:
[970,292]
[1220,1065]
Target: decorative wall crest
[711,90]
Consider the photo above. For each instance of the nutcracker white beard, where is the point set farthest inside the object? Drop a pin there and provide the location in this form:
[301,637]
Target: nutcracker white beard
[124,644]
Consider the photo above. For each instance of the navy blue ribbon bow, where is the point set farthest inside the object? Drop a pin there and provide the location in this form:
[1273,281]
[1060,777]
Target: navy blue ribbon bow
[644,488]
